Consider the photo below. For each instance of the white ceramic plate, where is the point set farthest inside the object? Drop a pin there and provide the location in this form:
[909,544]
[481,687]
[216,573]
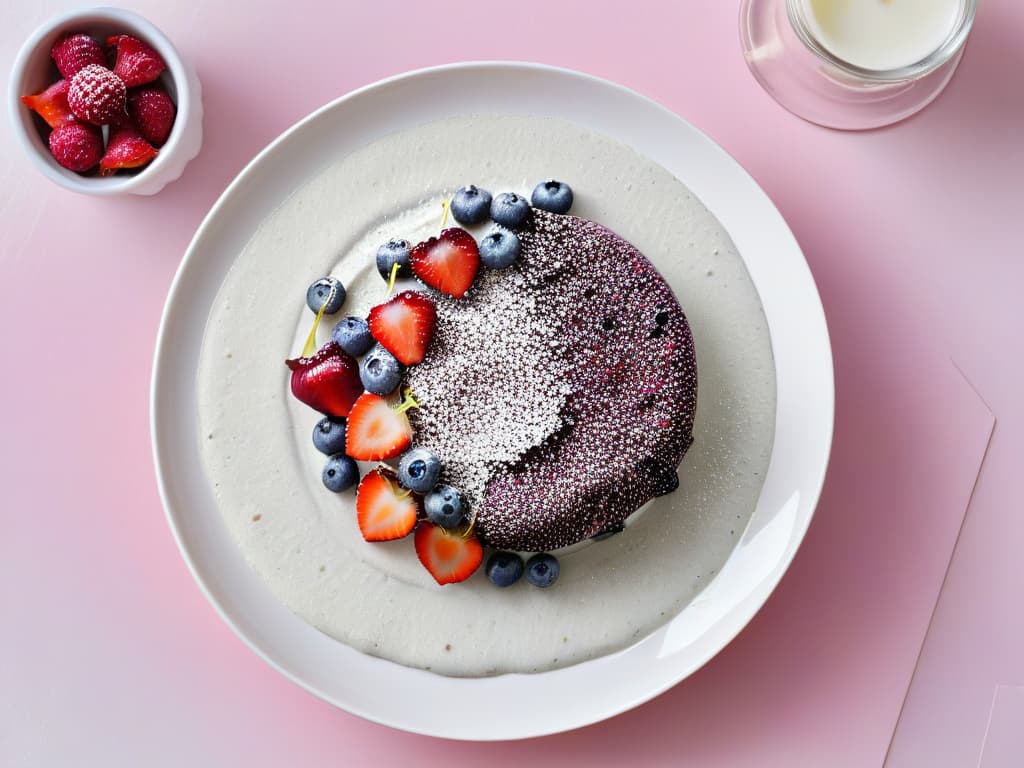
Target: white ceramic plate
[573,696]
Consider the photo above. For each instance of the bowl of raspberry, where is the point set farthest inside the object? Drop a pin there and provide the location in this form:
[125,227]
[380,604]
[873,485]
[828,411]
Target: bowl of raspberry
[102,103]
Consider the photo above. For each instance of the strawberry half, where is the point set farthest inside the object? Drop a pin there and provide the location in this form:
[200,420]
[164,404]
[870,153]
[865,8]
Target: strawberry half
[52,104]
[137,62]
[152,111]
[448,263]
[384,509]
[405,326]
[125,149]
[449,557]
[376,430]
[74,53]
[76,146]
[328,381]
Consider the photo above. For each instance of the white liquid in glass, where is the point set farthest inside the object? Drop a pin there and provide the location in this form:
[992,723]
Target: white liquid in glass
[881,34]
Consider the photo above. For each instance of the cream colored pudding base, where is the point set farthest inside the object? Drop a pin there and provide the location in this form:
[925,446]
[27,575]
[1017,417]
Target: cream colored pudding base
[303,541]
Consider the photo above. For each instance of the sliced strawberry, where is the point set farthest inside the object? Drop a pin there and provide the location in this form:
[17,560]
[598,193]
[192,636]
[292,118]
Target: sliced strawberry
[328,381]
[448,556]
[384,509]
[152,111]
[75,52]
[76,146]
[448,263]
[137,62]
[125,149]
[52,104]
[405,326]
[376,430]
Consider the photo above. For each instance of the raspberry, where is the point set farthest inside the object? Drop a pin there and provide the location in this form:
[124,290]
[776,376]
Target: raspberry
[97,95]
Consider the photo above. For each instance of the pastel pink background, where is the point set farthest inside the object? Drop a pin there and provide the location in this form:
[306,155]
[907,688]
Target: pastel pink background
[109,654]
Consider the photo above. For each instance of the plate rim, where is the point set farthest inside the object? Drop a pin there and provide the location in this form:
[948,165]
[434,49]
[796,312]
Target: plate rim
[163,342]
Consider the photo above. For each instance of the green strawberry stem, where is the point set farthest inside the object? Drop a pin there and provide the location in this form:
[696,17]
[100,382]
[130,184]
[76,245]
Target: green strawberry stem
[408,401]
[398,491]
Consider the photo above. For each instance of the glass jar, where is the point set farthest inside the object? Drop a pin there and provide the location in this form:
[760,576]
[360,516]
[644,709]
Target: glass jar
[784,50]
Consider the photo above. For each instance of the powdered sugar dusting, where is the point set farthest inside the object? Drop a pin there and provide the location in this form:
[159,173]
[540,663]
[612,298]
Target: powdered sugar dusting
[475,411]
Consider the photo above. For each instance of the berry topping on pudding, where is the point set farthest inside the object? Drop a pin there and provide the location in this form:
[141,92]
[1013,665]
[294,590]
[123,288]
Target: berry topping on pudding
[380,372]
[404,326]
[542,570]
[377,430]
[394,252]
[353,335]
[450,556]
[448,263]
[327,382]
[419,470]
[383,509]
[329,435]
[340,473]
[509,209]
[552,196]
[471,205]
[327,294]
[444,507]
[504,568]
[499,249]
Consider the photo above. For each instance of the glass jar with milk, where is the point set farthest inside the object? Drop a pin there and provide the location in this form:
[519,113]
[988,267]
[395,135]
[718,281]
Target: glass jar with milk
[854,64]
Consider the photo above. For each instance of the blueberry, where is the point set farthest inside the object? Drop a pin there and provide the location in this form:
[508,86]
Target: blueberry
[391,253]
[499,249]
[504,568]
[329,435]
[353,335]
[509,209]
[444,506]
[341,473]
[553,196]
[418,470]
[321,291]
[542,569]
[471,205]
[379,371]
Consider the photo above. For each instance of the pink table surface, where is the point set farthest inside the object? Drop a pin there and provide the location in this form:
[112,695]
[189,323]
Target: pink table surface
[109,655]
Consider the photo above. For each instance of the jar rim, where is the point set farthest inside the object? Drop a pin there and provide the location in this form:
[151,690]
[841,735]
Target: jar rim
[947,50]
